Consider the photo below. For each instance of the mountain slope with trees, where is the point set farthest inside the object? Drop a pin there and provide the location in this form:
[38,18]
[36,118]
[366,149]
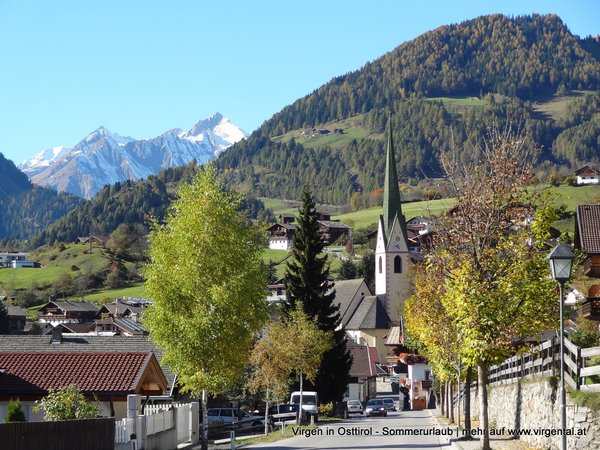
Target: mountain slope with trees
[505,63]
[26,209]
[130,202]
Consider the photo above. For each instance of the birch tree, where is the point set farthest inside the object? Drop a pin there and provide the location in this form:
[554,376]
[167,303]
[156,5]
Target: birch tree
[206,282]
[294,345]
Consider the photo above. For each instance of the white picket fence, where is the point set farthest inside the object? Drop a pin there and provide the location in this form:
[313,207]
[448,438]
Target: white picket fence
[161,426]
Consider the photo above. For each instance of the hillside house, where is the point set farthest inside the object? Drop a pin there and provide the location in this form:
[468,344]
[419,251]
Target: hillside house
[86,240]
[6,258]
[587,175]
[56,312]
[108,375]
[281,235]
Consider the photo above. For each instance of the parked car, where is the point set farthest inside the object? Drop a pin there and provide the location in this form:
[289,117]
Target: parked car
[234,415]
[279,414]
[390,404]
[354,406]
[375,407]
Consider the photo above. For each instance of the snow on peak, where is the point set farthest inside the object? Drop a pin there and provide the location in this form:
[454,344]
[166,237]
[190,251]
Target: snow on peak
[43,159]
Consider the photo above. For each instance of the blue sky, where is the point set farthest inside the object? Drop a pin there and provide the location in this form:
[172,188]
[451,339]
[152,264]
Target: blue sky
[141,67]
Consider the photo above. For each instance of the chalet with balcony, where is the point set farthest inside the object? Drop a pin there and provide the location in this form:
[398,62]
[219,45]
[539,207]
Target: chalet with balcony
[587,238]
[56,312]
[587,175]
[281,235]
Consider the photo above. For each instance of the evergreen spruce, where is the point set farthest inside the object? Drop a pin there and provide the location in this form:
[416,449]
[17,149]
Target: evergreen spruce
[14,412]
[307,282]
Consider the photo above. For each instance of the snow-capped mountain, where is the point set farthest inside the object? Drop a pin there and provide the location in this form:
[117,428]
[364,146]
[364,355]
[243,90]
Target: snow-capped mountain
[104,157]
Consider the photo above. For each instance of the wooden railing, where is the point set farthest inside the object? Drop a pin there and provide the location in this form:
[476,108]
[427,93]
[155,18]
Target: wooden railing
[544,360]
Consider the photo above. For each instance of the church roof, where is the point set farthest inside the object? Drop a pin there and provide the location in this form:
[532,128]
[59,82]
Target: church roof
[370,314]
[392,204]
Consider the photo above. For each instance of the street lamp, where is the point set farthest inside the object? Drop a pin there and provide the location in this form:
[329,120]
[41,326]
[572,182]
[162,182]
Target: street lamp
[561,263]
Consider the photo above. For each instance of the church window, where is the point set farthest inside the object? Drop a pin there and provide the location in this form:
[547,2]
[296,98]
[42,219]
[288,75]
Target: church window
[397,264]
[380,265]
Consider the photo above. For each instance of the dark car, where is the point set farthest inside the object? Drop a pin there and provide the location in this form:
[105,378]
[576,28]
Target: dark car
[375,407]
[279,414]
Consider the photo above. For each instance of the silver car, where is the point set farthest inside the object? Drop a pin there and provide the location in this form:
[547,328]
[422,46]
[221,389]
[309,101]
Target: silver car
[354,406]
[375,407]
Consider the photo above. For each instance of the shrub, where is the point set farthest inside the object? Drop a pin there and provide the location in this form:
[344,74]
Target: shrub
[326,409]
[14,412]
[67,404]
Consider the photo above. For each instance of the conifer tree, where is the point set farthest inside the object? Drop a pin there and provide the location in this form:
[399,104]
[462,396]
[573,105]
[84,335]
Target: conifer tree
[307,282]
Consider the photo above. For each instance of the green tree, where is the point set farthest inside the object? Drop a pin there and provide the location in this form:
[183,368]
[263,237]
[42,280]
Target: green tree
[307,283]
[206,281]
[14,412]
[67,403]
[348,269]
[294,344]
[129,240]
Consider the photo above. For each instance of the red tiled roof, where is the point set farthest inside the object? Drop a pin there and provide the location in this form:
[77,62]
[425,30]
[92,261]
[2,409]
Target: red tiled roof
[97,372]
[588,228]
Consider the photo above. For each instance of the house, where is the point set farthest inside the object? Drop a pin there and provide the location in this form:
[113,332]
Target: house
[363,373]
[56,312]
[121,308]
[118,325]
[17,318]
[6,258]
[108,376]
[63,342]
[587,237]
[86,240]
[281,234]
[587,175]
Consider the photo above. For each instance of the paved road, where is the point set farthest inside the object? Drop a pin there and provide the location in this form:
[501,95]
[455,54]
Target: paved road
[370,433]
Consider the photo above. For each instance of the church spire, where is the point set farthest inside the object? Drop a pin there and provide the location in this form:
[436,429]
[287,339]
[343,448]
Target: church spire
[392,205]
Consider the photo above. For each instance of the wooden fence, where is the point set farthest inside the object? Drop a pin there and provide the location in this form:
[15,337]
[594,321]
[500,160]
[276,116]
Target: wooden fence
[544,360]
[91,434]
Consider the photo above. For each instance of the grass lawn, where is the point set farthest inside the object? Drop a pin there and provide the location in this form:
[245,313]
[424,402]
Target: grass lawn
[136,291]
[367,217]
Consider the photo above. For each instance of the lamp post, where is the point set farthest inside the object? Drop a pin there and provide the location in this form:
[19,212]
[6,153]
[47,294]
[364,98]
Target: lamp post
[561,263]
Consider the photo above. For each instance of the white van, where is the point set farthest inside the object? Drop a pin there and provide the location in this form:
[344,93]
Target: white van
[310,402]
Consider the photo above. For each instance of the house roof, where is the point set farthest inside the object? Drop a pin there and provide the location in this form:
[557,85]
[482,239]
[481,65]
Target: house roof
[587,169]
[333,224]
[73,306]
[394,336]
[84,327]
[370,314]
[91,343]
[92,372]
[363,365]
[16,311]
[587,228]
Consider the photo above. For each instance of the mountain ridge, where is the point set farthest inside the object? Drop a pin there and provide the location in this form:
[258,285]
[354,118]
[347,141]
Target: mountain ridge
[104,157]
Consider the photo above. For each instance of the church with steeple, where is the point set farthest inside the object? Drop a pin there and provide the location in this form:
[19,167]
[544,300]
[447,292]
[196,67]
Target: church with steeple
[392,253]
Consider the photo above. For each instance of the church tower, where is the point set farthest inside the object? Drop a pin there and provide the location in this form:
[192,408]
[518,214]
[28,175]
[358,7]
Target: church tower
[392,255]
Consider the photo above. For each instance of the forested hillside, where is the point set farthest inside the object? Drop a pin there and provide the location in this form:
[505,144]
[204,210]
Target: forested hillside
[501,69]
[26,209]
[131,202]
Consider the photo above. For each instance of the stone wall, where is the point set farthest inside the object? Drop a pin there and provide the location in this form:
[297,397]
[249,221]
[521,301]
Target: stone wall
[533,404]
